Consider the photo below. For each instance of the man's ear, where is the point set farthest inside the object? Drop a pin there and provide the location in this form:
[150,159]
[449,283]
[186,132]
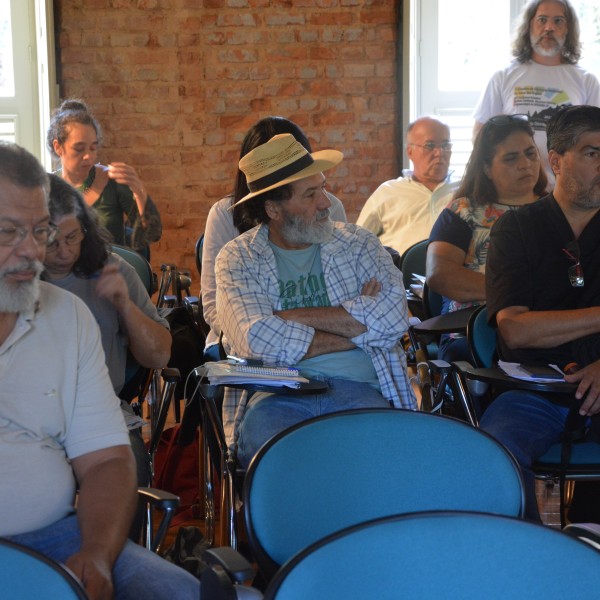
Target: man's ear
[272,210]
[554,158]
[57,147]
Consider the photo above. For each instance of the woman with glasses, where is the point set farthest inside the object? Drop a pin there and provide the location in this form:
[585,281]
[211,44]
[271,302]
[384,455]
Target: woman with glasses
[78,259]
[504,172]
[115,191]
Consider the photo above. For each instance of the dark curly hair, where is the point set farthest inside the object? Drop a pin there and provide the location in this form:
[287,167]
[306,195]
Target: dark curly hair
[475,184]
[95,247]
[251,213]
[522,49]
[70,111]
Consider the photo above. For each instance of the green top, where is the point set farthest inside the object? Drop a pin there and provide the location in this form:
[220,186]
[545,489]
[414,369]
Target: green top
[115,202]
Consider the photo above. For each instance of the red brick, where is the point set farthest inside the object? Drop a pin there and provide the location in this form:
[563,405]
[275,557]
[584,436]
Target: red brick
[177,83]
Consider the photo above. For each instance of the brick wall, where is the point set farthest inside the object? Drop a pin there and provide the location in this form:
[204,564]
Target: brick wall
[177,83]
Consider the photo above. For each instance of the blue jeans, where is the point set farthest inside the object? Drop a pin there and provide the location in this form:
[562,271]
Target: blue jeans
[527,424]
[268,414]
[138,573]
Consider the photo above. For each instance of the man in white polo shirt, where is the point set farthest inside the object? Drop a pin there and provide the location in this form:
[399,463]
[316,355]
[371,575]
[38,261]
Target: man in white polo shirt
[61,427]
[401,212]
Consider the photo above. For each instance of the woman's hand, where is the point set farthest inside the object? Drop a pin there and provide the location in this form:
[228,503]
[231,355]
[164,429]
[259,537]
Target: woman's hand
[126,175]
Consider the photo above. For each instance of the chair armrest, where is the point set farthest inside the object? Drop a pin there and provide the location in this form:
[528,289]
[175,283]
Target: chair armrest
[586,532]
[159,498]
[227,570]
[164,501]
[236,565]
[463,366]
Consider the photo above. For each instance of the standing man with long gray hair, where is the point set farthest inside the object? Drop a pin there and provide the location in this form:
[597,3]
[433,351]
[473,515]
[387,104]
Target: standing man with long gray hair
[544,76]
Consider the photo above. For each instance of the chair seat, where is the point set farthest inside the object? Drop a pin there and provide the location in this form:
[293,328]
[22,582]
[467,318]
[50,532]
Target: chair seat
[584,454]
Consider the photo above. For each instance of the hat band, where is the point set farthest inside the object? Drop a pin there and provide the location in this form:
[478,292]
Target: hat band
[281,174]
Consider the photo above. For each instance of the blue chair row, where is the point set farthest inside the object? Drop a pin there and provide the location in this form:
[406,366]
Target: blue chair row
[339,470]
[584,461]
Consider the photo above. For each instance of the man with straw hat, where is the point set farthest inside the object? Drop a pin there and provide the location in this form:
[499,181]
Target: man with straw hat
[300,290]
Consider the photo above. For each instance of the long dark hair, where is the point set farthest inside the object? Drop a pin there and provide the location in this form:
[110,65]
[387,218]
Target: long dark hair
[475,184]
[95,246]
[251,213]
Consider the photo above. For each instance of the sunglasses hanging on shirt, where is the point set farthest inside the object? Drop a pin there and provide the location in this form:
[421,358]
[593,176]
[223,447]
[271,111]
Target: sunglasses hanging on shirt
[575,271]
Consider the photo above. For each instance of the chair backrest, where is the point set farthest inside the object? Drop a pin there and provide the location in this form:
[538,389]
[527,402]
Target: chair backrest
[432,302]
[199,247]
[442,555]
[139,263]
[413,261]
[345,468]
[28,575]
[481,338]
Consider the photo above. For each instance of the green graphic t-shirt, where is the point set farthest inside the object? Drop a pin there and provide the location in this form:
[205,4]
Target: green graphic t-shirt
[302,285]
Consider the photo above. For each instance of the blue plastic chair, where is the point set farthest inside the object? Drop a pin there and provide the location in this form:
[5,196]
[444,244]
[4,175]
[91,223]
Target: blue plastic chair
[585,456]
[29,575]
[442,555]
[338,470]
[412,261]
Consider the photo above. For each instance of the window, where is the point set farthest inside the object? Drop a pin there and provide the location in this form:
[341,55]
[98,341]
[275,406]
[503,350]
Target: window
[454,46]
[26,71]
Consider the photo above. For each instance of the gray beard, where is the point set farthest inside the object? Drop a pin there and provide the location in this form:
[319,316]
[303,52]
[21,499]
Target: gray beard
[581,198]
[20,296]
[547,52]
[296,230]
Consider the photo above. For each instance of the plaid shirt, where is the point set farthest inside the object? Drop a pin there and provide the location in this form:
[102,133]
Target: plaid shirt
[248,293]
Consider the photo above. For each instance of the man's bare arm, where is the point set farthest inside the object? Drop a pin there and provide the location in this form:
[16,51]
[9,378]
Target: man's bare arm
[105,508]
[323,343]
[476,128]
[524,328]
[330,319]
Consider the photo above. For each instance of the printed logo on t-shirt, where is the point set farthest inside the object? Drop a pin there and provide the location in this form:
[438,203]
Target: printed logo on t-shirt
[539,103]
[303,292]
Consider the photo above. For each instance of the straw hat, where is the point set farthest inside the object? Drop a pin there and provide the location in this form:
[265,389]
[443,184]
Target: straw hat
[280,161]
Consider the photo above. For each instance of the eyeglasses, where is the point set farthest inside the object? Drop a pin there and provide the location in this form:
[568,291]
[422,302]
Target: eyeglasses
[575,271]
[507,119]
[69,240]
[13,236]
[557,21]
[430,146]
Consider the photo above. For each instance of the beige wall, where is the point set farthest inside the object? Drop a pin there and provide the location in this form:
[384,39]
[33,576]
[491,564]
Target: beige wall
[176,84]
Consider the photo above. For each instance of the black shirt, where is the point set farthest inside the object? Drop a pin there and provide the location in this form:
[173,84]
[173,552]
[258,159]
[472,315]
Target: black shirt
[527,266]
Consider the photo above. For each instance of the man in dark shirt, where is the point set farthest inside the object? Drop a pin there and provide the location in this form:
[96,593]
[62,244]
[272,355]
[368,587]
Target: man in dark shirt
[543,293]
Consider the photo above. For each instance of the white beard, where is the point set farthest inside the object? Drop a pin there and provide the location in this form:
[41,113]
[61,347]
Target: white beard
[547,52]
[296,230]
[20,296]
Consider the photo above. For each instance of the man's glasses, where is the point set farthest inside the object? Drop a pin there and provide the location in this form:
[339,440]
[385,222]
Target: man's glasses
[430,146]
[69,240]
[13,236]
[575,271]
[558,22]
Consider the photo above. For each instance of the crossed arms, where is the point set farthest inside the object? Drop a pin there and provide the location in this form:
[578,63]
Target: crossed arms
[365,312]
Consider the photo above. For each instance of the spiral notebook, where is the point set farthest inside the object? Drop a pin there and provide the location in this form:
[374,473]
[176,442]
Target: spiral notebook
[223,373]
